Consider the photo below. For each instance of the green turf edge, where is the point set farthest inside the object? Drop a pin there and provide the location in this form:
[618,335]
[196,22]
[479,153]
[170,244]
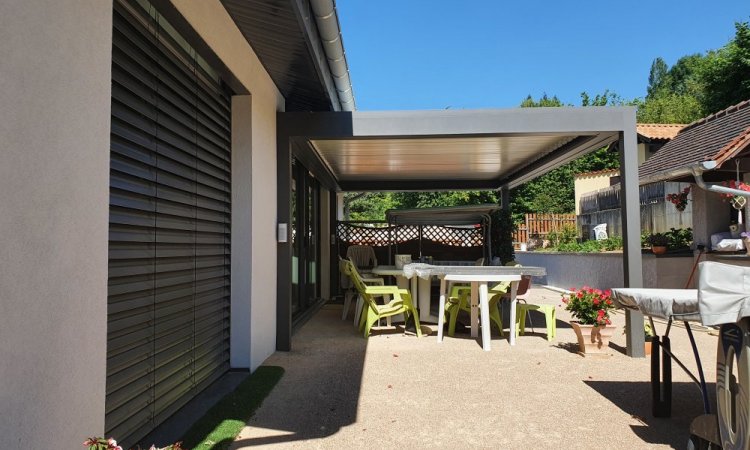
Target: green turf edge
[221,424]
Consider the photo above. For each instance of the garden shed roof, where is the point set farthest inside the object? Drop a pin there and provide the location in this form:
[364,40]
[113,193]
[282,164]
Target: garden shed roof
[718,137]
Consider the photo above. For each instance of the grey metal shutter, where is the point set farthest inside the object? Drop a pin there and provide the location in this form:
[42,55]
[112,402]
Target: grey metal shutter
[169,236]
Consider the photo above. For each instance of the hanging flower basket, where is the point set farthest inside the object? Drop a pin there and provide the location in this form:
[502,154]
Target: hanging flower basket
[679,199]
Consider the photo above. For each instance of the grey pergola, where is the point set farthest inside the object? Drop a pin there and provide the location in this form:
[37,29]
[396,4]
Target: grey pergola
[452,150]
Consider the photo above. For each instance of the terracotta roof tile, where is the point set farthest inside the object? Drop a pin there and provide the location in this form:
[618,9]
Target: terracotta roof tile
[720,137]
[659,130]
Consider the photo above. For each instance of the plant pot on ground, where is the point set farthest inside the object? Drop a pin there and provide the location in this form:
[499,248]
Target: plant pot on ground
[648,334]
[593,326]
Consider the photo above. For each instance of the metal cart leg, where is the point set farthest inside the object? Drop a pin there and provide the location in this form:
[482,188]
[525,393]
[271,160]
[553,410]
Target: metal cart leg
[661,383]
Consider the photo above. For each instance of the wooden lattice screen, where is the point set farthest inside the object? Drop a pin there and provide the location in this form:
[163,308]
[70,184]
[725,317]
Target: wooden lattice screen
[379,234]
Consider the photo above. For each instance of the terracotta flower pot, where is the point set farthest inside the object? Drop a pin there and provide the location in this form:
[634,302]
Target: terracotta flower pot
[592,339]
[659,249]
[647,346]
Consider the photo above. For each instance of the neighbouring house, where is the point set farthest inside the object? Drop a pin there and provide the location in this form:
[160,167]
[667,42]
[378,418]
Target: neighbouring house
[653,136]
[171,170]
[597,197]
[593,181]
[723,137]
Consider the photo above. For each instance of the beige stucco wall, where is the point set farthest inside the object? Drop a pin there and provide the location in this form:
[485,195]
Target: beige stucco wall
[642,153]
[55,58]
[587,183]
[253,209]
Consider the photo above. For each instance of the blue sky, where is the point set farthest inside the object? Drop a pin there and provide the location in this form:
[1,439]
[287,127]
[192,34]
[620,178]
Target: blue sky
[433,54]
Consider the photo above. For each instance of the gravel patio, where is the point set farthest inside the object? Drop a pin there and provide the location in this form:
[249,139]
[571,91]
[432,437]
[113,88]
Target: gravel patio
[395,390]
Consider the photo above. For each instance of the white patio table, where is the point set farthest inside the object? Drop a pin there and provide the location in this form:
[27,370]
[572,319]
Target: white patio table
[478,276]
[479,282]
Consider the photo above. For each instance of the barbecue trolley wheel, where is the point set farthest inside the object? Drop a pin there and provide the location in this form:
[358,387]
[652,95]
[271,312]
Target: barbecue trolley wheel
[733,404]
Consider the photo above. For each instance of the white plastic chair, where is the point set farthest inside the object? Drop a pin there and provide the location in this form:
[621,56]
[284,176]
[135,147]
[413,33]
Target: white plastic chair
[600,232]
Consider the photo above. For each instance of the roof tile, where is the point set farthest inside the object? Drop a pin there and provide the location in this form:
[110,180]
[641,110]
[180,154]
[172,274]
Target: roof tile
[659,130]
[719,137]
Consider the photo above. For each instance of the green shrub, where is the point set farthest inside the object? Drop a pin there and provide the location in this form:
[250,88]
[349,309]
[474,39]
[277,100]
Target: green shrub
[566,234]
[678,239]
[610,244]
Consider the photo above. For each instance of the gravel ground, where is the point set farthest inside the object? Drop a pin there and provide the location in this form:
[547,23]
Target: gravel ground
[395,390]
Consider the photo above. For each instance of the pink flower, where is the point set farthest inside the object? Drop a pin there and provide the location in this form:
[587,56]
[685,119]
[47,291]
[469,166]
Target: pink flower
[596,302]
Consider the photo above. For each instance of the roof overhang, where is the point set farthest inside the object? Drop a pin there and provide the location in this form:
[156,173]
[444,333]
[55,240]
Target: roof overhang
[285,35]
[449,149]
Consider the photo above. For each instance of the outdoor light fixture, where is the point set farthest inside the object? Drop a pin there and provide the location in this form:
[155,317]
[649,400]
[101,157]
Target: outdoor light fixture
[282,234]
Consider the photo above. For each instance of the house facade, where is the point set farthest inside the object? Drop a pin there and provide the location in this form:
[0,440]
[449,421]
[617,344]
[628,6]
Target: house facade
[139,157]
[169,170]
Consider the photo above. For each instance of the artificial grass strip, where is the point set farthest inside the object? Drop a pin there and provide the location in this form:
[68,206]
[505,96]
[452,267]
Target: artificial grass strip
[218,428]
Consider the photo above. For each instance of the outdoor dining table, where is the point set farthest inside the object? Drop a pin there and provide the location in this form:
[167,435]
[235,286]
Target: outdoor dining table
[421,274]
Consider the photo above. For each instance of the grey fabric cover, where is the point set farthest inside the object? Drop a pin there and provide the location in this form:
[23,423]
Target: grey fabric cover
[681,304]
[723,292]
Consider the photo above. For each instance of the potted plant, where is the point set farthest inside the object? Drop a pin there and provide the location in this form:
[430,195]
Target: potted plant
[648,333]
[593,326]
[658,243]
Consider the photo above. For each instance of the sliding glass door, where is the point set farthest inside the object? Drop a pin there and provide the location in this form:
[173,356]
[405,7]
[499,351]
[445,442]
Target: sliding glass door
[305,240]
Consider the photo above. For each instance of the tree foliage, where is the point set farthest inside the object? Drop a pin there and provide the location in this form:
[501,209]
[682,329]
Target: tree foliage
[554,191]
[727,75]
[700,84]
[367,205]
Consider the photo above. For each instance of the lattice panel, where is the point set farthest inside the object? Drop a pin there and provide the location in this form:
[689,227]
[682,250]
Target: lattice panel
[375,236]
[385,235]
[456,237]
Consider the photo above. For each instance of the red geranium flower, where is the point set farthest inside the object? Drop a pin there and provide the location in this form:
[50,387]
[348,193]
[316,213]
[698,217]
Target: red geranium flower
[590,306]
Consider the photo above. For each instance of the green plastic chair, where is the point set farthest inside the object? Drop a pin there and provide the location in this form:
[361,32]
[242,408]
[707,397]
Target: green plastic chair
[400,303]
[522,309]
[460,300]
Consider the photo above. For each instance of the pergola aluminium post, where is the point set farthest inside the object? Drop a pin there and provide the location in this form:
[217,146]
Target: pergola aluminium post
[631,232]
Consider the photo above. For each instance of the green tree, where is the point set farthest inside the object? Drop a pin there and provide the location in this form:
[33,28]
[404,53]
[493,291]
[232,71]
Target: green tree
[726,76]
[670,108]
[544,101]
[699,84]
[554,191]
[436,199]
[367,205]
[656,76]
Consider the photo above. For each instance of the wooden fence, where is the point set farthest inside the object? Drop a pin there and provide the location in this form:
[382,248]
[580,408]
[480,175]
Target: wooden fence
[541,224]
